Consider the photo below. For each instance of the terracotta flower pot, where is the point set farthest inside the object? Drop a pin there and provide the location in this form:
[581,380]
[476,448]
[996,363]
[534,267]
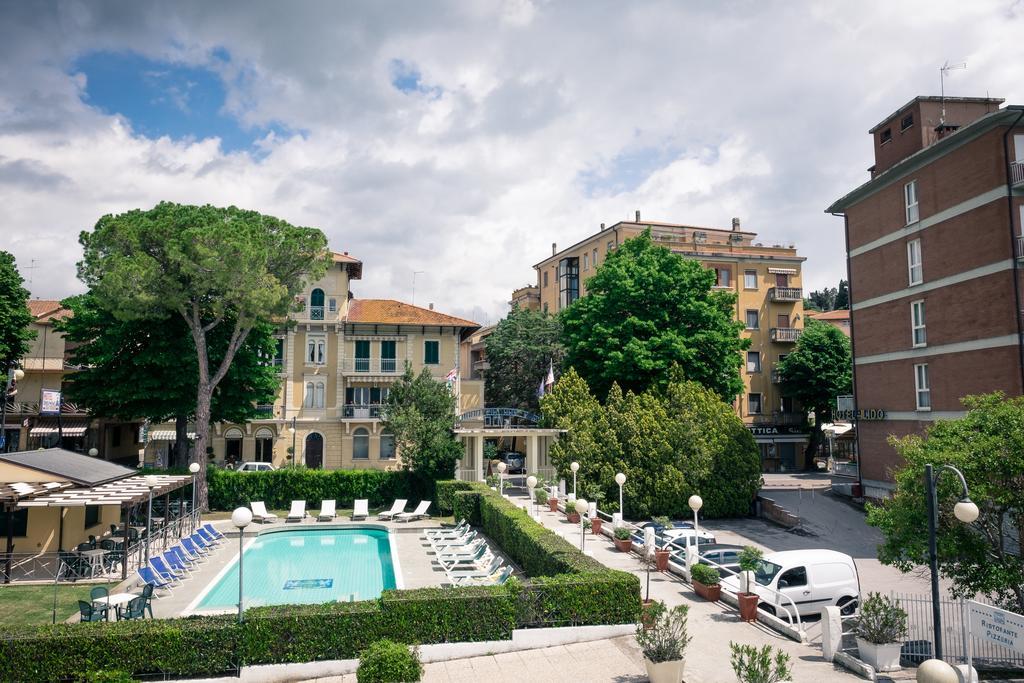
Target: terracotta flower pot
[624,544]
[573,517]
[646,619]
[748,606]
[712,593]
[553,504]
[595,526]
[661,559]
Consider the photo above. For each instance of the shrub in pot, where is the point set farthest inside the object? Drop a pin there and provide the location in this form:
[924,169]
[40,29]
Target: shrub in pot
[881,628]
[623,540]
[706,582]
[386,661]
[663,642]
[541,496]
[759,664]
[553,503]
[595,525]
[748,561]
[570,512]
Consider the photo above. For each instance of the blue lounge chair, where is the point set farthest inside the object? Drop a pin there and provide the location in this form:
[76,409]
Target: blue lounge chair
[213,532]
[207,536]
[163,570]
[201,542]
[175,563]
[186,559]
[194,550]
[149,577]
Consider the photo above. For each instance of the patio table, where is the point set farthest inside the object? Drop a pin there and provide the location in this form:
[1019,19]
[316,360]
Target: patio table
[95,558]
[115,600]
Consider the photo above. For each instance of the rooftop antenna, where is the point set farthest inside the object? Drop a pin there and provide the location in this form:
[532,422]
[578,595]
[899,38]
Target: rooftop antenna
[943,73]
[32,272]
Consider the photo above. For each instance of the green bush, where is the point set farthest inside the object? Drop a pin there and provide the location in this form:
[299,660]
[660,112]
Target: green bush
[388,662]
[445,496]
[229,489]
[703,573]
[750,557]
[622,533]
[664,637]
[881,620]
[759,665]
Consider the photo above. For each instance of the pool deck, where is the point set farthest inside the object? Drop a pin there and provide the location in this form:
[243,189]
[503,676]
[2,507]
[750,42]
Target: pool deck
[415,562]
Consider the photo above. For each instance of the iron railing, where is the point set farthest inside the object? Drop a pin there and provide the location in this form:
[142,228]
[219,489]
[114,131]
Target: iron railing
[382,366]
[1016,172]
[316,312]
[785,334]
[785,294]
[362,411]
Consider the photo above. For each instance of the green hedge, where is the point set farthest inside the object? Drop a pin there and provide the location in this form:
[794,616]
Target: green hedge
[445,496]
[229,489]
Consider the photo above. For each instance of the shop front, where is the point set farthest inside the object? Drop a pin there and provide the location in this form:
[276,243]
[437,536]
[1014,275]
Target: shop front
[782,447]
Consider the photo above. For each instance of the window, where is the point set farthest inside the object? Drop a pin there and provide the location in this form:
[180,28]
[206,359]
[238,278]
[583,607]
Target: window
[782,321]
[92,515]
[782,280]
[387,446]
[20,521]
[787,405]
[279,352]
[115,436]
[594,258]
[797,576]
[910,199]
[906,122]
[921,386]
[360,444]
[753,404]
[885,137]
[316,351]
[917,323]
[314,395]
[1018,148]
[332,305]
[362,355]
[914,265]
[316,305]
[431,352]
[387,356]
[568,281]
[611,245]
[749,279]
[752,319]
[307,402]
[586,261]
[545,278]
[721,277]
[753,361]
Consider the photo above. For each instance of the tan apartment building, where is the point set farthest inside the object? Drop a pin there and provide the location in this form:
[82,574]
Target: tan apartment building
[934,258]
[338,358]
[769,289]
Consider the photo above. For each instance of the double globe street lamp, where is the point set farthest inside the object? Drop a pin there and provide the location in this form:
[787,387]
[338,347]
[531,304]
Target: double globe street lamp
[241,518]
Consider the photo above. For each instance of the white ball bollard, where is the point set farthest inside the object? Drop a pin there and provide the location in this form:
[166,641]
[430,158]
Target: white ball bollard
[936,671]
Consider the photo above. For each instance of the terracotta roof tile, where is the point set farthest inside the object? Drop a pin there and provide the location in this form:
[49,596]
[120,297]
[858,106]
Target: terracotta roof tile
[389,311]
[841,314]
[45,310]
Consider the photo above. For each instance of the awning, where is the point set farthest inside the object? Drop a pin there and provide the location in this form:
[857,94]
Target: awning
[837,429]
[783,271]
[131,490]
[69,427]
[168,435]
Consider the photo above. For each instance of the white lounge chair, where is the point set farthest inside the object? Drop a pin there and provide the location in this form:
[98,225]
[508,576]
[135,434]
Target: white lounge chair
[361,509]
[458,530]
[260,514]
[463,551]
[327,513]
[476,572]
[493,579]
[397,508]
[482,557]
[419,513]
[298,511]
[445,545]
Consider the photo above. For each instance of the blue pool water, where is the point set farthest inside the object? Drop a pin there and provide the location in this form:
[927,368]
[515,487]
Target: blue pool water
[308,566]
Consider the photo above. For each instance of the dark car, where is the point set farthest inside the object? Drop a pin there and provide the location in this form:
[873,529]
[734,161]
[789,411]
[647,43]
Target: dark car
[516,461]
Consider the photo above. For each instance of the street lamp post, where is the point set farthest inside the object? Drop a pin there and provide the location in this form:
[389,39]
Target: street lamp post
[241,518]
[696,502]
[531,483]
[13,375]
[151,483]
[582,507]
[966,511]
[292,430]
[194,469]
[575,467]
[620,479]
[501,478]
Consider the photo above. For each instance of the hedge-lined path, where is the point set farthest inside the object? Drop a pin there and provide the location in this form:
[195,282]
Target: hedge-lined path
[712,625]
[615,660]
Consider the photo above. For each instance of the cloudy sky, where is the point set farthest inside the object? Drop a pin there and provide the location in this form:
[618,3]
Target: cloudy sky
[459,140]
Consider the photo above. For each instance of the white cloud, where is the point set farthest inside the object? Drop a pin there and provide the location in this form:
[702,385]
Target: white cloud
[764,107]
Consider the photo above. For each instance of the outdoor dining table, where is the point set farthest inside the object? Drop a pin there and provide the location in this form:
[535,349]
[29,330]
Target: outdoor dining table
[115,600]
[95,558]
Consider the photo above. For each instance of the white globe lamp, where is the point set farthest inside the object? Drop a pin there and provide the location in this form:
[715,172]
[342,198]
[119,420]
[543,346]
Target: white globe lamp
[966,511]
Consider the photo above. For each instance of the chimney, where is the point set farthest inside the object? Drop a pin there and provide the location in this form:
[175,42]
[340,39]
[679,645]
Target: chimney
[735,224]
[638,215]
[554,248]
[430,306]
[602,226]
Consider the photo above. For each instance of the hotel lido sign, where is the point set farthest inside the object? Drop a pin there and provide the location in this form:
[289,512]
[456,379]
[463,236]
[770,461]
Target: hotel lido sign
[997,626]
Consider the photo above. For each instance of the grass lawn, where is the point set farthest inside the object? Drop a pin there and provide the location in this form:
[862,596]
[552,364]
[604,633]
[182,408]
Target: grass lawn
[33,605]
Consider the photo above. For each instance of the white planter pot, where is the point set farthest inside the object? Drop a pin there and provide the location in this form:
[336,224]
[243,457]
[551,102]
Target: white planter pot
[665,672]
[883,657]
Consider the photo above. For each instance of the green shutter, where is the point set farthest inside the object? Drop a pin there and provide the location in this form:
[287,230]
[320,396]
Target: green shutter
[430,353]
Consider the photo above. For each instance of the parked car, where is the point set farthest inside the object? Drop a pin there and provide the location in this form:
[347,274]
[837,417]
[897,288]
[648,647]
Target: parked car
[722,556]
[810,579]
[675,538]
[515,461]
[255,467]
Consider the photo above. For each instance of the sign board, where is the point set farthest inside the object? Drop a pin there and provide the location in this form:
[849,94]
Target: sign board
[776,430]
[844,403]
[867,414]
[997,626]
[49,402]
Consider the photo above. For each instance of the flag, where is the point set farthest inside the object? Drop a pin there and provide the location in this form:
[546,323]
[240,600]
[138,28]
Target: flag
[550,381]
[452,375]
[540,390]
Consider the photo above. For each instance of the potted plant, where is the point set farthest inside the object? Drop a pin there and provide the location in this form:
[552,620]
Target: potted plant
[661,555]
[664,642]
[570,512]
[623,539]
[705,582]
[880,630]
[595,525]
[748,560]
[553,501]
[759,665]
[541,496]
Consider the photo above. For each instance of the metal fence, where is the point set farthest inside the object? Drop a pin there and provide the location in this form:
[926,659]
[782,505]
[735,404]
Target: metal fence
[918,644]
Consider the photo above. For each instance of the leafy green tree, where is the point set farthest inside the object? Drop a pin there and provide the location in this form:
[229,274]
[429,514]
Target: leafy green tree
[987,445]
[822,300]
[520,350]
[646,310]
[842,295]
[818,370]
[420,412]
[147,368]
[211,266]
[15,318]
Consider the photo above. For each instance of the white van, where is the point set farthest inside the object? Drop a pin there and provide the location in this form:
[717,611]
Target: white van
[810,579]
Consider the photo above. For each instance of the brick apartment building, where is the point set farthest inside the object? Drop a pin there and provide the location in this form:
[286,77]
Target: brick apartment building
[934,248]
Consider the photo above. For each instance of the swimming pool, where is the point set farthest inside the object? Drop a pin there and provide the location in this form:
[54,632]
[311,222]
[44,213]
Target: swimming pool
[290,566]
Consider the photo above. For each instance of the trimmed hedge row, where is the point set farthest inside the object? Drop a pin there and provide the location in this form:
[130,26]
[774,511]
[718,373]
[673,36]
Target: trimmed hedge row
[445,493]
[229,489]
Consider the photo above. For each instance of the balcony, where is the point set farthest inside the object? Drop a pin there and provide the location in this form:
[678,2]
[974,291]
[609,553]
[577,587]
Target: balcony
[779,418]
[370,366]
[785,335]
[786,294]
[776,376]
[1017,173]
[264,411]
[361,411]
[316,312]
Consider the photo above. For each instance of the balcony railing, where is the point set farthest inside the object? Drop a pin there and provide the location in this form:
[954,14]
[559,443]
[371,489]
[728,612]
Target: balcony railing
[1017,173]
[316,312]
[361,411]
[779,418]
[786,294]
[264,411]
[376,366]
[787,335]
